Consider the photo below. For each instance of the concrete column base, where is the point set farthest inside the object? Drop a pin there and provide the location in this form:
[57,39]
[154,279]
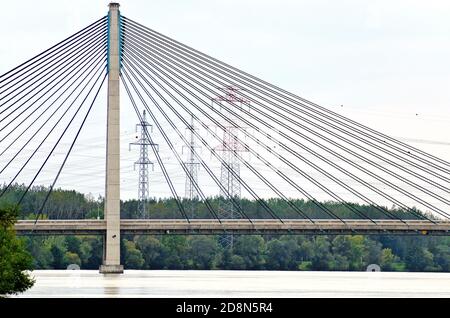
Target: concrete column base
[111,269]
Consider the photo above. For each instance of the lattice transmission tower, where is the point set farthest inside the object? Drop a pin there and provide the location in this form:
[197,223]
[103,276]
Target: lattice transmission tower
[228,148]
[143,162]
[193,166]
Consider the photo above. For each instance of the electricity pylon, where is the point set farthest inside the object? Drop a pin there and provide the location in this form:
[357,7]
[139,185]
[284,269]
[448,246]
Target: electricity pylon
[143,162]
[230,168]
[192,166]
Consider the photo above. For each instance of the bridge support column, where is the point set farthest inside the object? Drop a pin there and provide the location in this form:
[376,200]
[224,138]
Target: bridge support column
[111,257]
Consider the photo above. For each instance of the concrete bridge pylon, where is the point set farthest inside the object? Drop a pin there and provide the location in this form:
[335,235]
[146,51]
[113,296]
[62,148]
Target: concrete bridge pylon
[111,256]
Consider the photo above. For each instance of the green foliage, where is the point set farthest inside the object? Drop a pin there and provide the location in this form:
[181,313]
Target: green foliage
[282,254]
[420,259]
[392,253]
[133,256]
[237,262]
[305,266]
[322,256]
[441,253]
[387,259]
[73,244]
[252,252]
[14,259]
[251,249]
[203,252]
[69,204]
[72,258]
[350,252]
[93,256]
[152,251]
[58,249]
[174,251]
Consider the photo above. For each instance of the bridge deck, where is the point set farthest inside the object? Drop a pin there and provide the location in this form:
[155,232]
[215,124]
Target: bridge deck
[209,226]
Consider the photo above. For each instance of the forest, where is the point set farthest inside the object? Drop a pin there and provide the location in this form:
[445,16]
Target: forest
[249,252]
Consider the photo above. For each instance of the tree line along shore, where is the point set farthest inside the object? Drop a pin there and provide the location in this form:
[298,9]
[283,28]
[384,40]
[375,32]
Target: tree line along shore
[249,252]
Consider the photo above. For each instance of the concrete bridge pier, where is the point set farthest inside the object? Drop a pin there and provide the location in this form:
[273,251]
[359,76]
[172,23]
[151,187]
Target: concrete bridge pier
[111,258]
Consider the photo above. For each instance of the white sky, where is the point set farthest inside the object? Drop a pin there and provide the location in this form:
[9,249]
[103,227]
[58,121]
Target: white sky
[385,62]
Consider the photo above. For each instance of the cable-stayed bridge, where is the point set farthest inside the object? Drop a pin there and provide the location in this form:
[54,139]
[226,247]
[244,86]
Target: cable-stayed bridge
[52,95]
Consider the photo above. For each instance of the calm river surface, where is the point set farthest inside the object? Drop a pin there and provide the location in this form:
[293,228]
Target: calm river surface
[137,283]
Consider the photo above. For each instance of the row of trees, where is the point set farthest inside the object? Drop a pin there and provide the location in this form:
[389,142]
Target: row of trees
[250,252]
[15,261]
[69,204]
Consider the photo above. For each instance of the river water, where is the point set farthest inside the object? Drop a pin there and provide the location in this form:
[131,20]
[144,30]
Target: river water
[254,284]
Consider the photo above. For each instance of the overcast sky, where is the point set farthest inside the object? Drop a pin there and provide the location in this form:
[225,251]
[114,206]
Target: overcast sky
[384,63]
